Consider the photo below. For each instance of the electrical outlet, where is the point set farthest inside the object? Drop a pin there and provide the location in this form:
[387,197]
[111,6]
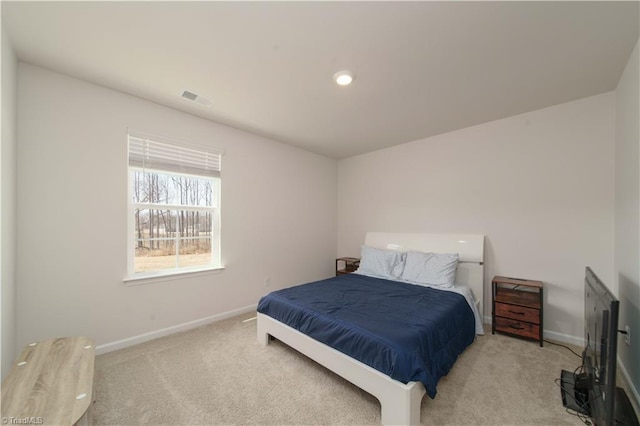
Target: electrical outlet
[627,337]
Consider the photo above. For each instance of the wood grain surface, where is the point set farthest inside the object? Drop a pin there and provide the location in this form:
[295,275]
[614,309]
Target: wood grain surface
[48,380]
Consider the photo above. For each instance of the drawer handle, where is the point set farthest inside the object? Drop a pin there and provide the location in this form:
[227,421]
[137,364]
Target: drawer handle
[516,313]
[516,327]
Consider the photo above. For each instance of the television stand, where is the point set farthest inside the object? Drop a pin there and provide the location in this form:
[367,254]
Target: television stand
[623,410]
[572,398]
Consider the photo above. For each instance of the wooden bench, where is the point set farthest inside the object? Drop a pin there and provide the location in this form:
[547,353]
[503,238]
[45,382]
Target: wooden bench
[51,383]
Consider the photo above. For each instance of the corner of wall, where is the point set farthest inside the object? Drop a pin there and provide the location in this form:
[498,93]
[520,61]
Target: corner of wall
[627,215]
[8,94]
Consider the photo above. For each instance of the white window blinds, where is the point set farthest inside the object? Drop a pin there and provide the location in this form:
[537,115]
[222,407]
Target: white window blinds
[152,152]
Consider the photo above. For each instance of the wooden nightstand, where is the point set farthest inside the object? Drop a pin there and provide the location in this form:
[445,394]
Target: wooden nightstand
[350,264]
[517,307]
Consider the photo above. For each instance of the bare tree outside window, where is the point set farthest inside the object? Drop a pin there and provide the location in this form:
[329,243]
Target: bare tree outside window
[174,219]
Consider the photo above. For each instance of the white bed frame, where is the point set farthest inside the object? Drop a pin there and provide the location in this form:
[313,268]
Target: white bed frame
[400,403]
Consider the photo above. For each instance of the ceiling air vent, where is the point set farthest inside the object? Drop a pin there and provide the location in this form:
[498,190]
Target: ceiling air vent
[188,95]
[196,98]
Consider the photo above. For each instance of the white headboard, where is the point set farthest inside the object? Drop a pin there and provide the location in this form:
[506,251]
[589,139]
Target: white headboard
[470,248]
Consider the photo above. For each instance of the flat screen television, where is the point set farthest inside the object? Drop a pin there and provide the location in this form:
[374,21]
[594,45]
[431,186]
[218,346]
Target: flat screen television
[599,357]
[591,389]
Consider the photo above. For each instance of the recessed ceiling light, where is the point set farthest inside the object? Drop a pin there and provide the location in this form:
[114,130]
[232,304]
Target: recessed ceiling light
[343,78]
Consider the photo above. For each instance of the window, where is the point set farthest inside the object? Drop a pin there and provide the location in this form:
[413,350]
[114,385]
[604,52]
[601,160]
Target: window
[174,207]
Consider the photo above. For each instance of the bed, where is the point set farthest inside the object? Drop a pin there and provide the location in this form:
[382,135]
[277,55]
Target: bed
[325,321]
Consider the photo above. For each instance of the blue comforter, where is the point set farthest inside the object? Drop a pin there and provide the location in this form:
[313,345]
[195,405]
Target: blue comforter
[408,332]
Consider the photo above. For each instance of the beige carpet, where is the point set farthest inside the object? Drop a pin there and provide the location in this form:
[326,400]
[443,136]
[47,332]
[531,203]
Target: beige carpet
[220,374]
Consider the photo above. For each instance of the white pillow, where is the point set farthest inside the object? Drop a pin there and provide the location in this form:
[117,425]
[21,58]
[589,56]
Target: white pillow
[436,269]
[381,263]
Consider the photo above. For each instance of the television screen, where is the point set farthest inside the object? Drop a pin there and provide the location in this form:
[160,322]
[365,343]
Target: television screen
[599,356]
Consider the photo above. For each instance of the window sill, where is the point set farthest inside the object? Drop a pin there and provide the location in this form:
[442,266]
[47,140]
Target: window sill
[154,277]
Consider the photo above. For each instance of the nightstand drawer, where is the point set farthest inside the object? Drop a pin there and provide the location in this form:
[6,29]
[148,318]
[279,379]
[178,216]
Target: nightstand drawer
[519,313]
[517,307]
[520,328]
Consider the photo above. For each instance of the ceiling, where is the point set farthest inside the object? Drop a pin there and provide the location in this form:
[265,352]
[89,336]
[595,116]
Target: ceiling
[422,68]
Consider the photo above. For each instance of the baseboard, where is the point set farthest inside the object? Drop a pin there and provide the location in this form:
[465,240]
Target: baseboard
[634,392]
[130,341]
[553,335]
[564,338]
[487,320]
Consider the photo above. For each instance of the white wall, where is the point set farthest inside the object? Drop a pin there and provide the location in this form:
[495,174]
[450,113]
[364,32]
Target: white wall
[627,213]
[278,214]
[538,185]
[8,204]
